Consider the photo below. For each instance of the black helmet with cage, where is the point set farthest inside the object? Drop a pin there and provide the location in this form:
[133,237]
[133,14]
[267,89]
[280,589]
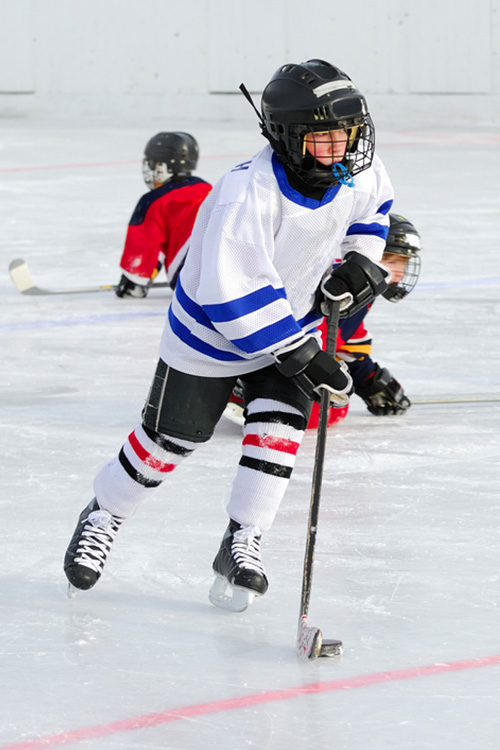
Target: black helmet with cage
[403,240]
[317,97]
[167,154]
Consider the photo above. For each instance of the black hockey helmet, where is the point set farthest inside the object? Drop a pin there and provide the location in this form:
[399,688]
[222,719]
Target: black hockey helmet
[178,151]
[313,97]
[404,240]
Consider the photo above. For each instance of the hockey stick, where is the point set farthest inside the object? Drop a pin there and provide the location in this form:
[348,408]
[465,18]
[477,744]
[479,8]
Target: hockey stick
[310,641]
[455,400]
[20,275]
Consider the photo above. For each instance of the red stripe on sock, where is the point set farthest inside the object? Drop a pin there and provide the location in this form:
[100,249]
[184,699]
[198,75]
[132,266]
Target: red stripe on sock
[147,458]
[273,443]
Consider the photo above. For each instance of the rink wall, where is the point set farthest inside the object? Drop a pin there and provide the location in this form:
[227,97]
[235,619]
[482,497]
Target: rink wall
[433,59]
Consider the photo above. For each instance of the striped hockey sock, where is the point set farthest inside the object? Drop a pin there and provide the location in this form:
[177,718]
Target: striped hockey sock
[271,438]
[143,463]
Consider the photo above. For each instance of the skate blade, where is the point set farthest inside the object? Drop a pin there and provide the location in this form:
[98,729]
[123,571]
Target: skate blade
[310,643]
[71,591]
[237,600]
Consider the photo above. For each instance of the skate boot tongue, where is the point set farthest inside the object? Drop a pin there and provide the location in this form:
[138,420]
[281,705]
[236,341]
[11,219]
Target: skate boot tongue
[101,519]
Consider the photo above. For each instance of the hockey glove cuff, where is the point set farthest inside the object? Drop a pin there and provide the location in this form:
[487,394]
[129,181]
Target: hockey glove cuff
[313,369]
[383,394]
[355,283]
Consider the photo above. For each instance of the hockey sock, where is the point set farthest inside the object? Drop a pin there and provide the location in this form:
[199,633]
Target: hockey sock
[144,461]
[271,438]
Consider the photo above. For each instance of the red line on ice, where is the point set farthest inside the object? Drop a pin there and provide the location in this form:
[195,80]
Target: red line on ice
[228,704]
[38,167]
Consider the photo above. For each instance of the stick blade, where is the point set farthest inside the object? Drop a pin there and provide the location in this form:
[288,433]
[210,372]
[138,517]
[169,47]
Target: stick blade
[21,277]
[311,645]
[309,640]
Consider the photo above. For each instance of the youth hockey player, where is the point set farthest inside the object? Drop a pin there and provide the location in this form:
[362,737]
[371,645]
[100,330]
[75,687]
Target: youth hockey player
[244,308]
[380,391]
[162,221]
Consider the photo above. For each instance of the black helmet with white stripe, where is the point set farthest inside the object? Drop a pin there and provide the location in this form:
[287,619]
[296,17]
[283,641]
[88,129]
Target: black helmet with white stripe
[167,154]
[316,97]
[403,240]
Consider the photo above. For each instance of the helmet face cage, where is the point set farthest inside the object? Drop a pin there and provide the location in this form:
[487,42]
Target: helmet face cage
[358,155]
[316,97]
[396,292]
[169,154]
[404,241]
[155,173]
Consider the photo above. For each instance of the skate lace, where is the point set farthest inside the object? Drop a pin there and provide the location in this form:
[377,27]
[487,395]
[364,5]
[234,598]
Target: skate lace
[245,548]
[96,539]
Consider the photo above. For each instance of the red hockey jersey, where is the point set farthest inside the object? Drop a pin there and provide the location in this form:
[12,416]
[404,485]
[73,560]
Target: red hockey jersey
[160,227]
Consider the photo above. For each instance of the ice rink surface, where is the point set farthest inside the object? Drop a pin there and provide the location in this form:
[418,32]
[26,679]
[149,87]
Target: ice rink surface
[408,550]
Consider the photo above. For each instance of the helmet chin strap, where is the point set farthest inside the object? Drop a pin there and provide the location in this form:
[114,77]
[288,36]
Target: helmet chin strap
[342,175]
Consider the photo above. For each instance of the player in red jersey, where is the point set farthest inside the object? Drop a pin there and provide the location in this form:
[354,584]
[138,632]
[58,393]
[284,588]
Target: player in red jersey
[160,227]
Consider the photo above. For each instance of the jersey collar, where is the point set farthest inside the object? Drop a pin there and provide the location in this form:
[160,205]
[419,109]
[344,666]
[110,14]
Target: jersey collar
[294,195]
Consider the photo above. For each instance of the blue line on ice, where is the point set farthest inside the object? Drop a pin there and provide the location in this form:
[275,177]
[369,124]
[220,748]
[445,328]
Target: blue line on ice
[112,317]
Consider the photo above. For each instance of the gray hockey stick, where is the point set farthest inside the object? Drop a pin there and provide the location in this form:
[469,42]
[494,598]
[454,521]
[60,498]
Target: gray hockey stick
[21,277]
[472,399]
[310,641]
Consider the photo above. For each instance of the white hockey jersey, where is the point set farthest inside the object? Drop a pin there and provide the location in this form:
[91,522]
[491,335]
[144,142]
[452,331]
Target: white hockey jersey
[257,254]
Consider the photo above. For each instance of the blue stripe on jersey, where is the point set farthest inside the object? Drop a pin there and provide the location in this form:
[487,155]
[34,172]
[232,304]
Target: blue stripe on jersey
[294,195]
[385,208]
[374,230]
[191,307]
[237,308]
[269,335]
[197,344]
[255,342]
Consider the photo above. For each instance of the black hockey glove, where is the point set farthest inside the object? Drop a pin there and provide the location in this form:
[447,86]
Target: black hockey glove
[127,288]
[313,369]
[383,394]
[356,283]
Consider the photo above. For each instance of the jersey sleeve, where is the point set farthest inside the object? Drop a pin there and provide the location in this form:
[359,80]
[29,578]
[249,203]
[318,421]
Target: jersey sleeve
[146,240]
[369,227]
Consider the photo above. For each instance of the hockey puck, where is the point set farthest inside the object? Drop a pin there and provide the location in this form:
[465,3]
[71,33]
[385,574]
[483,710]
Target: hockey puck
[331,647]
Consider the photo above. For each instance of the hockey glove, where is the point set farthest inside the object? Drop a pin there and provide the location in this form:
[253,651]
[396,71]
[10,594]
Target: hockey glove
[383,394]
[355,283]
[127,288]
[313,369]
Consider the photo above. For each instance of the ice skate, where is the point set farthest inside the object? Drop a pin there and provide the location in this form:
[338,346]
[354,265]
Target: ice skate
[235,409]
[89,547]
[239,573]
